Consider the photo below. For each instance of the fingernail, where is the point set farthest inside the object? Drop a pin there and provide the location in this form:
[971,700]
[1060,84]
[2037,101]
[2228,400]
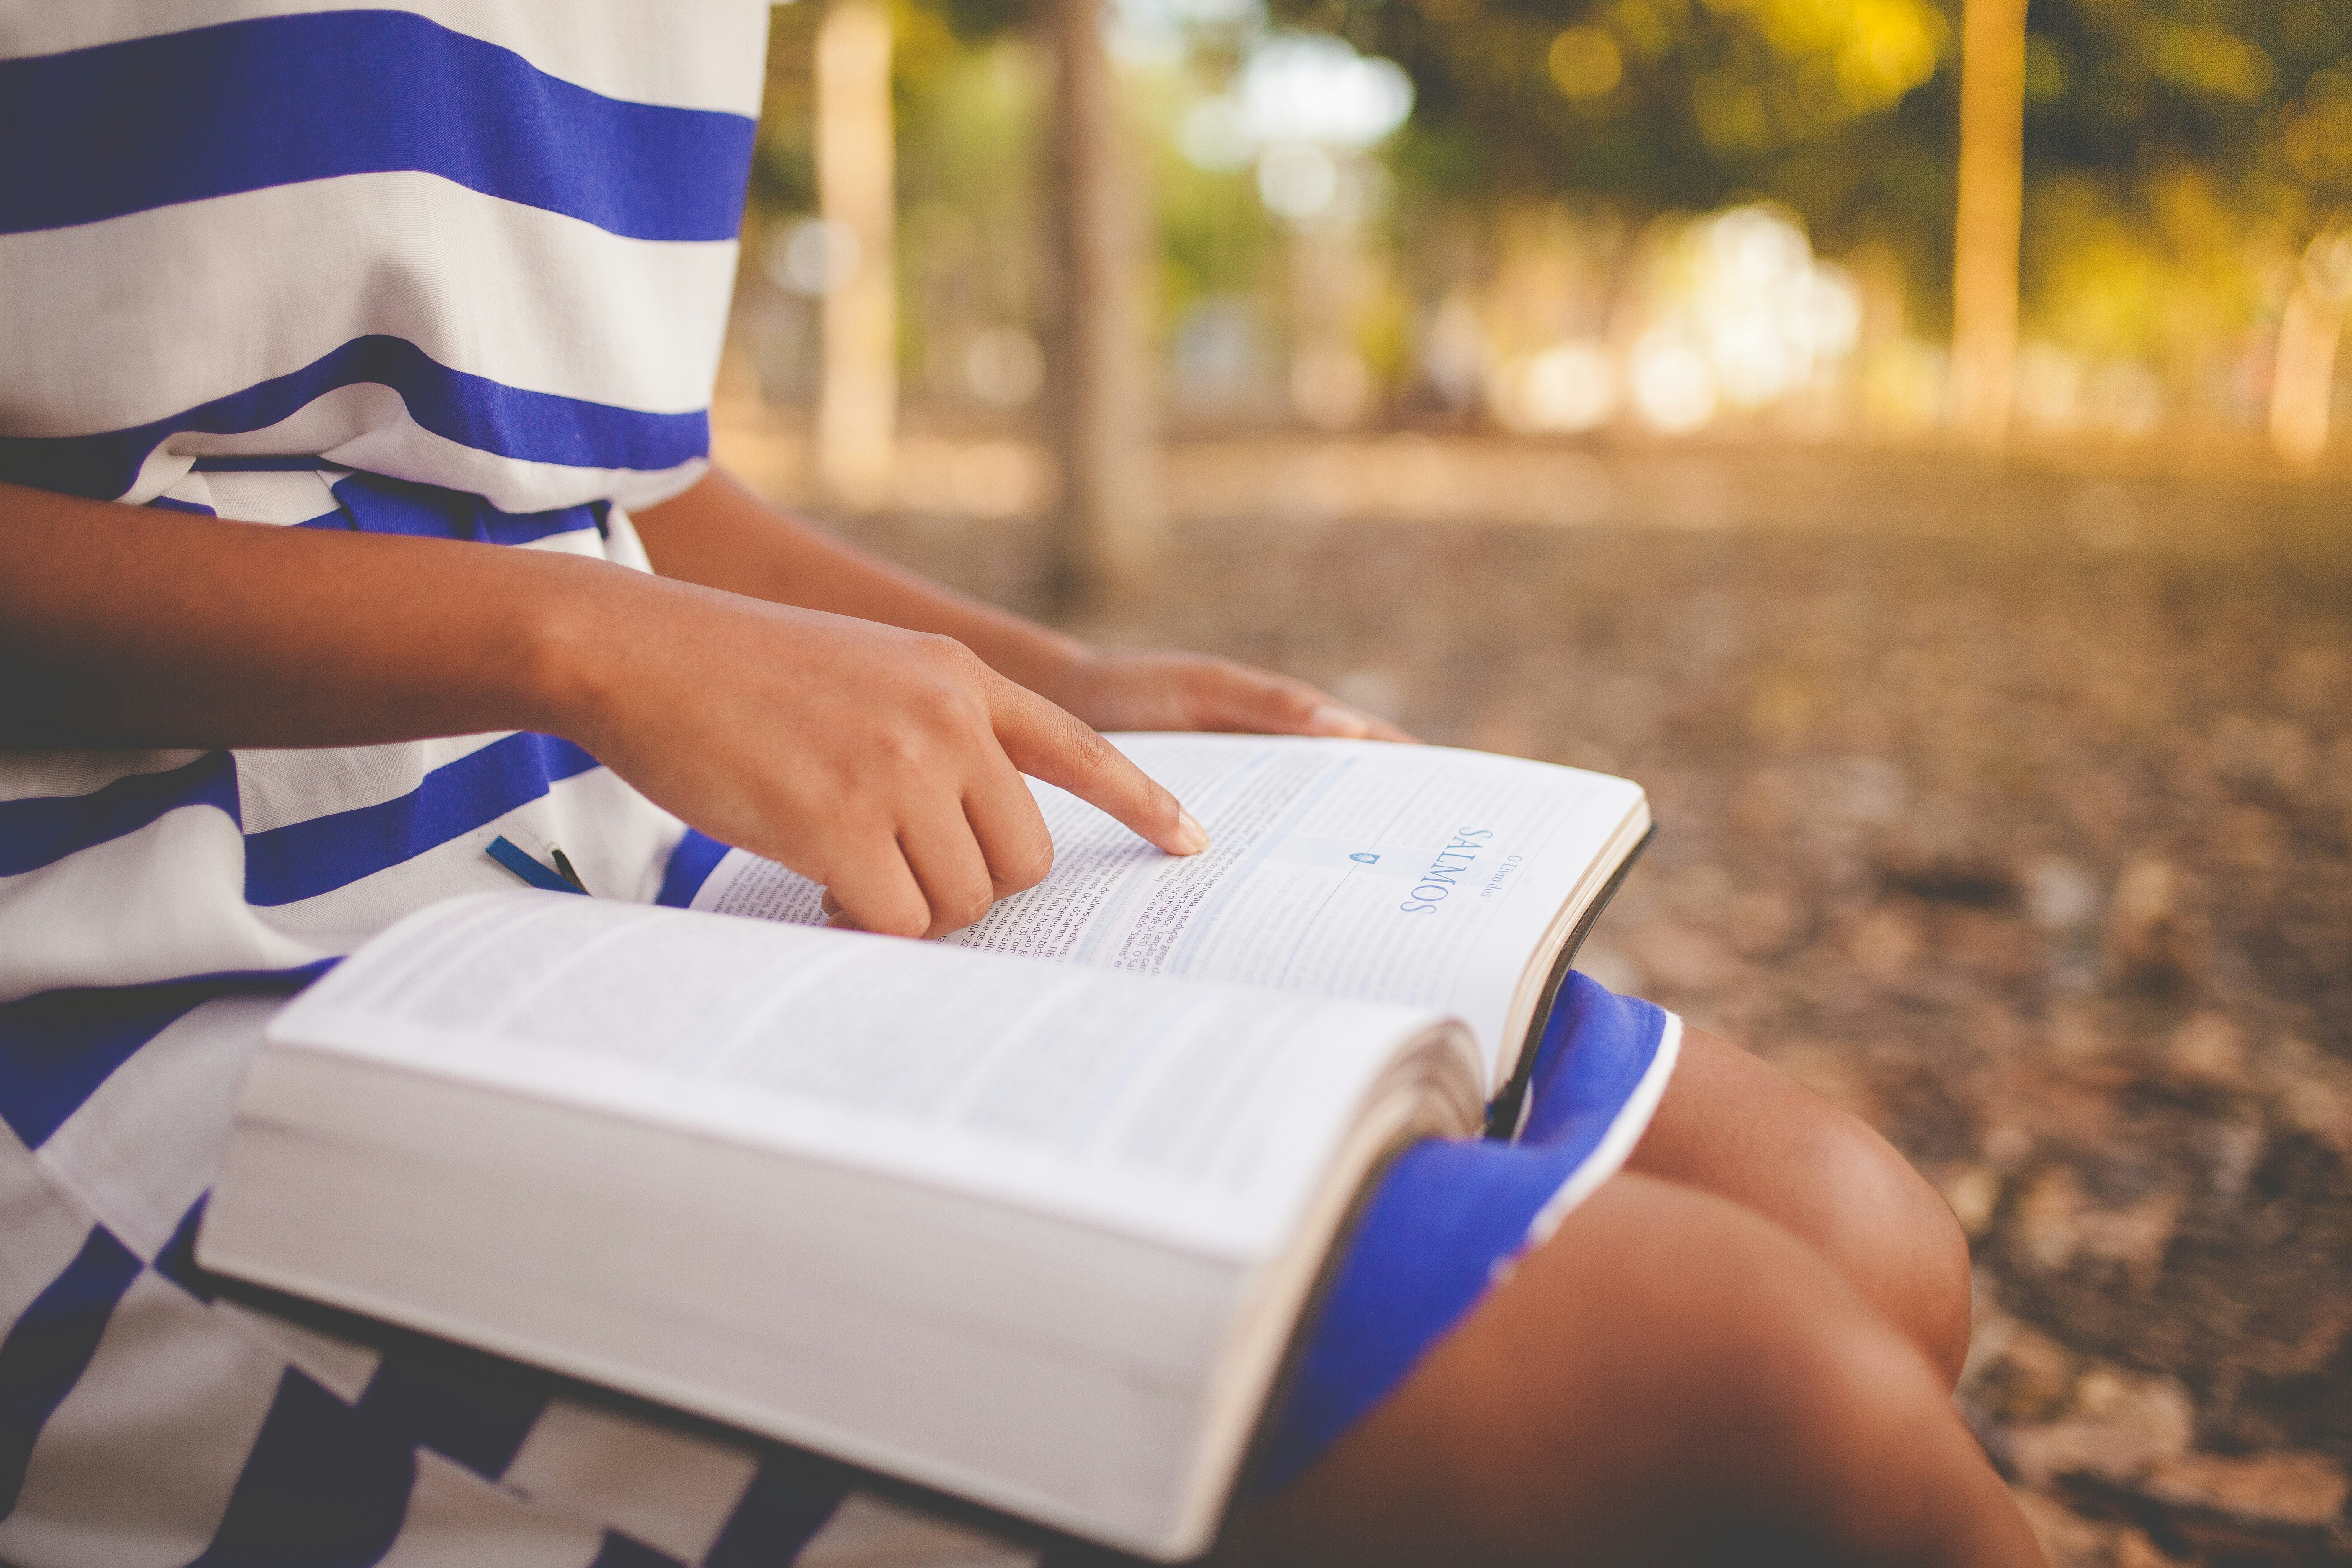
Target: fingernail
[1330,720]
[1191,836]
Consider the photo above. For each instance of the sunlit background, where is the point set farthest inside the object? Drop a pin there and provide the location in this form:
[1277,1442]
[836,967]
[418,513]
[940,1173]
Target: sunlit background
[1670,219]
[1905,434]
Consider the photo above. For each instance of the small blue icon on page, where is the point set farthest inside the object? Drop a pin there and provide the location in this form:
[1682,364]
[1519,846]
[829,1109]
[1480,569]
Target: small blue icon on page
[1365,857]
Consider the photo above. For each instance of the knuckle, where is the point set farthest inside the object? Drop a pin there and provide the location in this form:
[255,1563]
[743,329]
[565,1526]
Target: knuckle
[1089,751]
[1025,867]
[1219,683]
[861,827]
[941,701]
[966,905]
[1294,697]
[952,695]
[902,921]
[948,653]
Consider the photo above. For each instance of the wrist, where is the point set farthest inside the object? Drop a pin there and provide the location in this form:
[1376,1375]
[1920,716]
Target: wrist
[565,663]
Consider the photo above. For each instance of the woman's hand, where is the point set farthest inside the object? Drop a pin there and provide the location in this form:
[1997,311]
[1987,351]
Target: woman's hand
[884,763]
[1150,689]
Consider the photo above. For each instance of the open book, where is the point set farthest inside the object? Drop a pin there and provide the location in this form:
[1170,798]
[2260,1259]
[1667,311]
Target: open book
[1028,1216]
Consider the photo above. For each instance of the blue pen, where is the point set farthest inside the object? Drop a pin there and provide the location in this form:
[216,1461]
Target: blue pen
[507,853]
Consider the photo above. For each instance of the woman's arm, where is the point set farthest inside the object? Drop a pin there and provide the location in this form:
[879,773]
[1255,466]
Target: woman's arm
[121,626]
[721,535]
[881,763]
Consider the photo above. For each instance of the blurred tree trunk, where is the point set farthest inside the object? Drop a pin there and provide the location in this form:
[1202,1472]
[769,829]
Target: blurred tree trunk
[1106,535]
[2302,384]
[1990,221]
[2302,381]
[857,408]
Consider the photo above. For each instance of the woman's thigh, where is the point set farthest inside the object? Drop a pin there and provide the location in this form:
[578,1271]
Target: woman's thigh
[1669,1378]
[1733,1126]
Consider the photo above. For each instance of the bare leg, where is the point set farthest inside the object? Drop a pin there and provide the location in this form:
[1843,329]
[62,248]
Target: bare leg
[1672,1378]
[1735,1127]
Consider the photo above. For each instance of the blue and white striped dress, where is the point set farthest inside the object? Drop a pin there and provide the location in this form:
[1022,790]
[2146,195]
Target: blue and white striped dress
[460,270]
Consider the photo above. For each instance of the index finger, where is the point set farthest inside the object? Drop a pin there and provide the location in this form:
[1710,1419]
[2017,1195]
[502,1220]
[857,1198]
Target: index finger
[1048,743]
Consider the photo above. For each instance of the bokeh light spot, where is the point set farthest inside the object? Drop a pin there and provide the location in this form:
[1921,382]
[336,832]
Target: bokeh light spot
[1585,63]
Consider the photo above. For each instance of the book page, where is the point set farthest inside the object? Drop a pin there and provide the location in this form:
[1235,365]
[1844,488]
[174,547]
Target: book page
[1203,1113]
[1417,875]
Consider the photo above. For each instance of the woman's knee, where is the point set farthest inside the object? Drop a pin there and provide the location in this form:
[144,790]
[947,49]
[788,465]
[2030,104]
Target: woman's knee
[1660,1380]
[1734,1126]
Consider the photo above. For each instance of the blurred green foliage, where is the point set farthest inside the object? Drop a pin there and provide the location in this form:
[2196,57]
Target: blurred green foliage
[1844,110]
[2180,156]
[970,177]
[2164,137]
[1215,238]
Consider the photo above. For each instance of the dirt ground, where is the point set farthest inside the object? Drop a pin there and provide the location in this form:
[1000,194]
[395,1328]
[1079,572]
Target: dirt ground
[2013,811]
